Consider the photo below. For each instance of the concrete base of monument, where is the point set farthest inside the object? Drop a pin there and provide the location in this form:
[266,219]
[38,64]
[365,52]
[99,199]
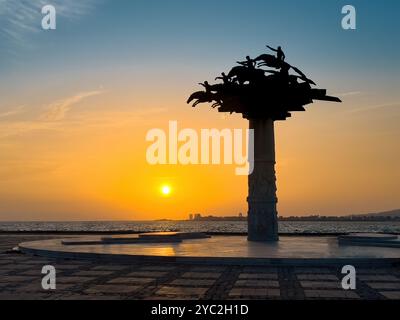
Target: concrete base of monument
[225,250]
[149,237]
[370,240]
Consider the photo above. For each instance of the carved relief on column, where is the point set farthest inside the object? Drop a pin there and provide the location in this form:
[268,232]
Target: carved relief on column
[262,215]
[262,182]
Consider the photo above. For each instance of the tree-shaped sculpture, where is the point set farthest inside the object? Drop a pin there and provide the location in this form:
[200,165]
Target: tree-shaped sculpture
[262,96]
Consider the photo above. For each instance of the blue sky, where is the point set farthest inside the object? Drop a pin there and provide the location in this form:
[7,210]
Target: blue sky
[194,34]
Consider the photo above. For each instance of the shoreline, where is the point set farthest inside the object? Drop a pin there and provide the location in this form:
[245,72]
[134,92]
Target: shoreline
[286,234]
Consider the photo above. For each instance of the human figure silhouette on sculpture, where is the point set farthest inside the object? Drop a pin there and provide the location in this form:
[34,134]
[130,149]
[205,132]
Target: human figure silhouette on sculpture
[249,63]
[207,86]
[280,55]
[285,72]
[224,78]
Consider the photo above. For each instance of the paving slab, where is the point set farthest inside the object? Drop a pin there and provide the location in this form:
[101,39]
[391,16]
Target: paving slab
[5,272]
[372,270]
[39,262]
[157,268]
[181,291]
[260,269]
[201,275]
[91,273]
[147,274]
[74,280]
[257,283]
[261,276]
[37,287]
[109,289]
[331,294]
[65,267]
[37,273]
[378,278]
[251,293]
[18,279]
[22,296]
[321,284]
[88,297]
[384,285]
[109,268]
[313,271]
[131,280]
[207,269]
[193,283]
[392,295]
[313,277]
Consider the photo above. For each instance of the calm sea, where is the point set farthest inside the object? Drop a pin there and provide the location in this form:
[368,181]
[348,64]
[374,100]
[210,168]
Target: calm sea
[205,226]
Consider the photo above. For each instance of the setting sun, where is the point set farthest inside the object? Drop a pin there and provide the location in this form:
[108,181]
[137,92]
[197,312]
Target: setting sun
[166,190]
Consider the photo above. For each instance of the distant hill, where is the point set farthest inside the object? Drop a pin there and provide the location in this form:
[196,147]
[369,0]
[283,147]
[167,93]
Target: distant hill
[392,214]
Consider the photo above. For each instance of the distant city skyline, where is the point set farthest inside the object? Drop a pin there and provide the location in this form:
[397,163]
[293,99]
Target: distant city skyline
[372,216]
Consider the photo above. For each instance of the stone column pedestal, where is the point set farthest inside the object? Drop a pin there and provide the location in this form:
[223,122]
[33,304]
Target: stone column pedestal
[262,200]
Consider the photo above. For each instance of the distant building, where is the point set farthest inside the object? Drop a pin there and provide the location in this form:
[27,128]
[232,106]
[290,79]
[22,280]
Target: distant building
[240,215]
[190,216]
[197,216]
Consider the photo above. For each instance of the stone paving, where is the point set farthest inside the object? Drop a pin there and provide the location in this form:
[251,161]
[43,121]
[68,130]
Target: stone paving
[20,278]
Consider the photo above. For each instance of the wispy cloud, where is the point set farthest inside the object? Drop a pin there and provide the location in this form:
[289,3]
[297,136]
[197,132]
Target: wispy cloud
[374,107]
[57,110]
[50,119]
[20,18]
[12,112]
[348,94]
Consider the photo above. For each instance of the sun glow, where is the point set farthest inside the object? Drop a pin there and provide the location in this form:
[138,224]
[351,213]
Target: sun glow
[166,190]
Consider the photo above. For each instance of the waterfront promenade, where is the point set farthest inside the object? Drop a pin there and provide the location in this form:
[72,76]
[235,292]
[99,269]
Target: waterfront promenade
[20,278]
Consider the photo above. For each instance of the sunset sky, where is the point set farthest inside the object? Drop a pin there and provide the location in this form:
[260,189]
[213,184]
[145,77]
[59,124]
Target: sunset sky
[76,104]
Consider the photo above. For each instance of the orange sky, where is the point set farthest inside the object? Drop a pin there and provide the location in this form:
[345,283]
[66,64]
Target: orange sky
[73,162]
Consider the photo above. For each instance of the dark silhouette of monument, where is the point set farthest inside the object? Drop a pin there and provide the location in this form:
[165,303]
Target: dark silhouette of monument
[262,96]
